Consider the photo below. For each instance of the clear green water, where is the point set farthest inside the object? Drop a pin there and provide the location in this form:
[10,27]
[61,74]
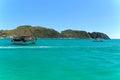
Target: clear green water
[55,59]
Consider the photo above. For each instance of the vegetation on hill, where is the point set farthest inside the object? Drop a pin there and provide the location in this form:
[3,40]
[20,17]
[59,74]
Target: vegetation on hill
[75,34]
[42,32]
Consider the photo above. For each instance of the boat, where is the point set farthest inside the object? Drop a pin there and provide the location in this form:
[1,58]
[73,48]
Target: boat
[98,40]
[23,40]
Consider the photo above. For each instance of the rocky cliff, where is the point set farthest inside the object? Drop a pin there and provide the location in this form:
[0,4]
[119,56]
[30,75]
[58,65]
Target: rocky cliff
[95,35]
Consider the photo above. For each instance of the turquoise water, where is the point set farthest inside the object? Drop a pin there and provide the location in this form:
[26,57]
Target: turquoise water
[57,59]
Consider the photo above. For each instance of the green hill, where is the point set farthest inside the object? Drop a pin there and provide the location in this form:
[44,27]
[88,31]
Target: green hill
[36,31]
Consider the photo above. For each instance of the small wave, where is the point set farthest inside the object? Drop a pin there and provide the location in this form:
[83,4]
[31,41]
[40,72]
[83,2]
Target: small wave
[29,47]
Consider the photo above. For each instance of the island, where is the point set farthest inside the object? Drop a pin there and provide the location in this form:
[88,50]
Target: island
[42,32]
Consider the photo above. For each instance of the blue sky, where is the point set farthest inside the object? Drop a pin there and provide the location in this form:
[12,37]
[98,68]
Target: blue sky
[88,15]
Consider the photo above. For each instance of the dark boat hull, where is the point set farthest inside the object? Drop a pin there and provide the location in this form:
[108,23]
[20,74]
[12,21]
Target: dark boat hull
[21,42]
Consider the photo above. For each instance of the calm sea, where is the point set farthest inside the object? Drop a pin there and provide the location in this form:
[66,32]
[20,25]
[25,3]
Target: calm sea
[60,59]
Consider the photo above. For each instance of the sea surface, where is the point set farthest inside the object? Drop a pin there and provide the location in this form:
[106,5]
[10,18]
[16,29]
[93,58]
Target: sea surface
[60,59]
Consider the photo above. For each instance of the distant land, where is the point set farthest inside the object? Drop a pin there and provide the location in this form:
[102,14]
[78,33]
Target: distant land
[42,32]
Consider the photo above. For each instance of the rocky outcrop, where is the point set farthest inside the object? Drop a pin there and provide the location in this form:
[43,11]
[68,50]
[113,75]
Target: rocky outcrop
[95,35]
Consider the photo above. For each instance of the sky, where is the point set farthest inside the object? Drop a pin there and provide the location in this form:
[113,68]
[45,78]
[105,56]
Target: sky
[89,15]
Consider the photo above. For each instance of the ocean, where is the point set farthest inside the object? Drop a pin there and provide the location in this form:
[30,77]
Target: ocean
[60,59]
